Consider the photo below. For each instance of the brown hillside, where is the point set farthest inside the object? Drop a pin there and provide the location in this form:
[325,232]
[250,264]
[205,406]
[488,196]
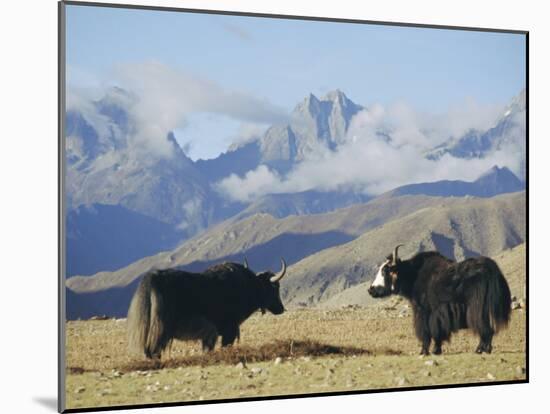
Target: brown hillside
[457,229]
[259,232]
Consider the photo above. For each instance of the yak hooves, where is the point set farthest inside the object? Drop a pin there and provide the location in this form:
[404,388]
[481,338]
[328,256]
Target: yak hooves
[484,348]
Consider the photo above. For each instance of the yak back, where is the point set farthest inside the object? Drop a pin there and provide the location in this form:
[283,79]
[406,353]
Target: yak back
[424,279]
[225,293]
[441,280]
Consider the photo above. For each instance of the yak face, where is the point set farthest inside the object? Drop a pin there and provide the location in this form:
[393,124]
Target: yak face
[270,296]
[269,290]
[386,281]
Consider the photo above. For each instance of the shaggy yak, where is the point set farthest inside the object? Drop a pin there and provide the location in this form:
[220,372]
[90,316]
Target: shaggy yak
[447,296]
[173,304]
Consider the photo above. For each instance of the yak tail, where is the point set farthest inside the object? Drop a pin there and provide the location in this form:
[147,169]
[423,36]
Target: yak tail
[145,326]
[489,308]
[499,299]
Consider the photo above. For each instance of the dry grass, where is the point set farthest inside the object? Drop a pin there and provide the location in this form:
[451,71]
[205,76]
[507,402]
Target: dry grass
[319,351]
[247,354]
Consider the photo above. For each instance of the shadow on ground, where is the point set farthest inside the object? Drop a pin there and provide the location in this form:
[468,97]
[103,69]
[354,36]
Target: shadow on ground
[234,355]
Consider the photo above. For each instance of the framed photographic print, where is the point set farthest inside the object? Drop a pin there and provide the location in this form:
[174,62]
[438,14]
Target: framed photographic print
[263,206]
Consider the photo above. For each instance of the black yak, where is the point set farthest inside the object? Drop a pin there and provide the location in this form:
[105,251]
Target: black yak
[174,304]
[447,296]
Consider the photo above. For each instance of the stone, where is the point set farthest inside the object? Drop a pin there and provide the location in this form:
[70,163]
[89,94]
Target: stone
[520,370]
[400,381]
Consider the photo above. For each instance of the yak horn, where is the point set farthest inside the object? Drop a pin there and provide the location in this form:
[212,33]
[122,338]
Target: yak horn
[245,264]
[279,275]
[395,256]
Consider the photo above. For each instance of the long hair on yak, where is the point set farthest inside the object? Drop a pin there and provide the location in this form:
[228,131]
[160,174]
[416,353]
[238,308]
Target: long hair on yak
[146,331]
[490,303]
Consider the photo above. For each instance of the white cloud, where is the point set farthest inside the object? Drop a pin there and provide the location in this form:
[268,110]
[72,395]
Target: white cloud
[246,133]
[163,98]
[255,183]
[372,163]
[169,93]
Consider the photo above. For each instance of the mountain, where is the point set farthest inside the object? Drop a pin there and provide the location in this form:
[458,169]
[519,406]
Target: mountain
[239,162]
[263,239]
[302,203]
[495,181]
[513,264]
[458,228]
[509,132]
[108,164]
[315,123]
[106,237]
[258,236]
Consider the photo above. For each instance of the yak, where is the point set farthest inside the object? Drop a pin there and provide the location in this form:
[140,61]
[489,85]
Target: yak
[174,304]
[446,296]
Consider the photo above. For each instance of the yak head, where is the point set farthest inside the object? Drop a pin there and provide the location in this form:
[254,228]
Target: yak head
[387,280]
[270,297]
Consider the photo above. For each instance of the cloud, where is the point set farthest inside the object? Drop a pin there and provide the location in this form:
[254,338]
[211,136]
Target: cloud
[255,183]
[167,95]
[246,133]
[163,97]
[425,130]
[384,148]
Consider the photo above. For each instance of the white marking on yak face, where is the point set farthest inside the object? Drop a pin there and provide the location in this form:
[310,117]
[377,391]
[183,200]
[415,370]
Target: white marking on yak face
[379,280]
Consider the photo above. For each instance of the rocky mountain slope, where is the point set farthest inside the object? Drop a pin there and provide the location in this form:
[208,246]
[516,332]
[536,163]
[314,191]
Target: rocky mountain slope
[106,164]
[328,252]
[509,132]
[263,239]
[458,229]
[495,181]
[108,237]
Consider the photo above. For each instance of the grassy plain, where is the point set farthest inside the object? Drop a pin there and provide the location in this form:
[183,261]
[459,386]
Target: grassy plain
[302,351]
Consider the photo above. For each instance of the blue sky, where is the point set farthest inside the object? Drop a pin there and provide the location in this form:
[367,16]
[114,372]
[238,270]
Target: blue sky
[280,61]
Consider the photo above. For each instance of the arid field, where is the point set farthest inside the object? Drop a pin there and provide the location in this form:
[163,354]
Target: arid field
[302,351]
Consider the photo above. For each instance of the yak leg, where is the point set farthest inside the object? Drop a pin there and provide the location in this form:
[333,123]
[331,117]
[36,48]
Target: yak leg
[485,342]
[437,328]
[229,334]
[209,343]
[209,335]
[422,328]
[157,347]
[485,331]
[157,341]
[426,345]
[437,346]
